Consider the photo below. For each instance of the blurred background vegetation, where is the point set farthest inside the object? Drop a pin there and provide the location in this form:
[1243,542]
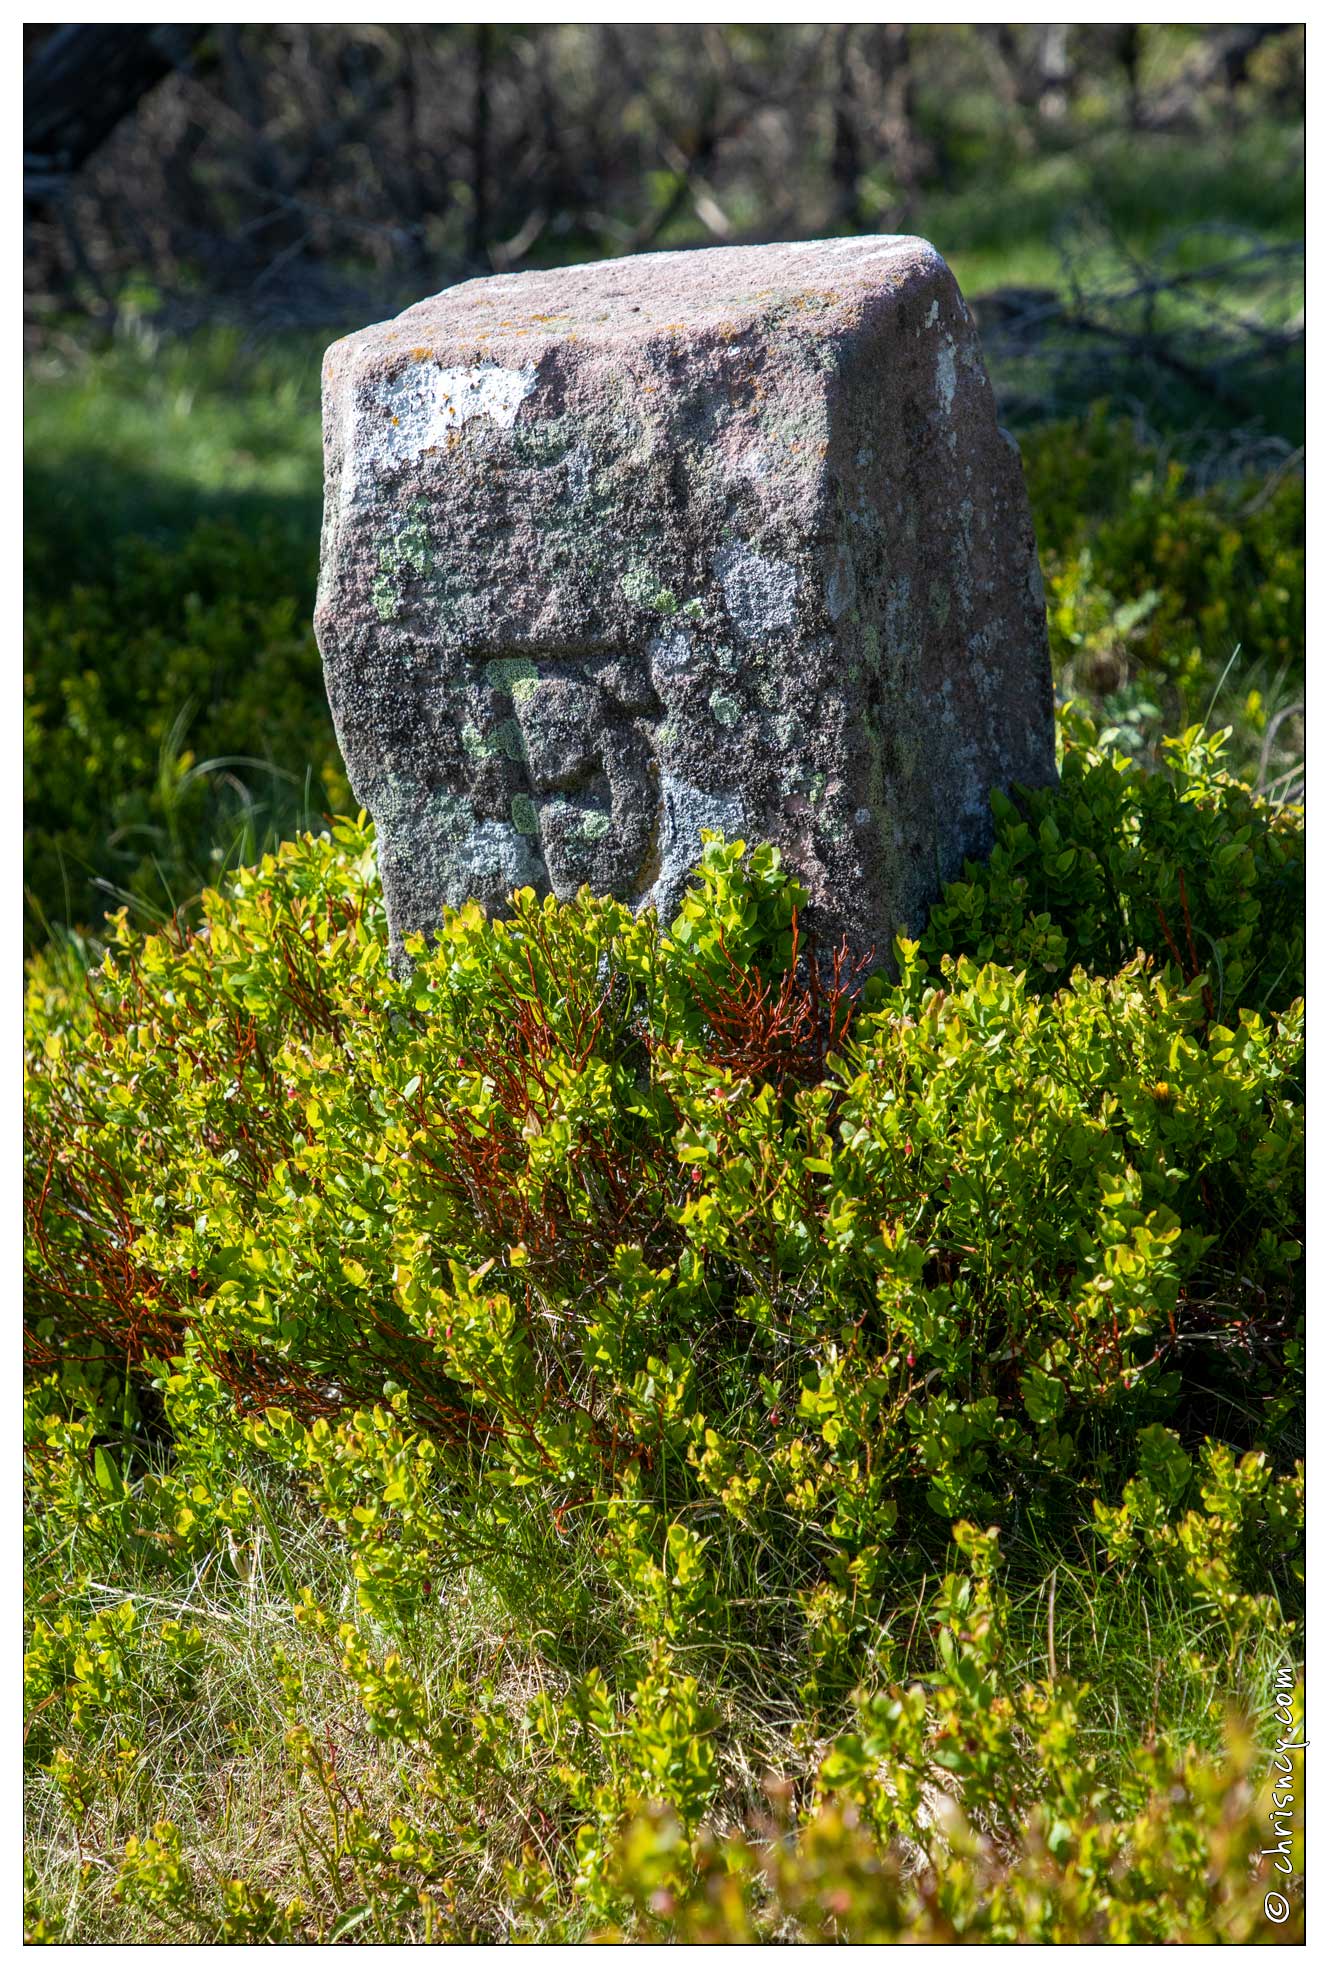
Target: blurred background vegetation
[206,207]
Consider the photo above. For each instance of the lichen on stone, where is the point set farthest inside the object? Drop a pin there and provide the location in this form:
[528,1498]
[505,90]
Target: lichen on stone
[643,590]
[513,675]
[505,741]
[524,816]
[760,592]
[403,553]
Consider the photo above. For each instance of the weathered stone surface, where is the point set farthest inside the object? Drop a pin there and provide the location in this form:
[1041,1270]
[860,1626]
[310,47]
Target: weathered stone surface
[728,538]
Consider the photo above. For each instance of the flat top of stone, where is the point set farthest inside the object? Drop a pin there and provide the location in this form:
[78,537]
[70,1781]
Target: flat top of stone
[653,293]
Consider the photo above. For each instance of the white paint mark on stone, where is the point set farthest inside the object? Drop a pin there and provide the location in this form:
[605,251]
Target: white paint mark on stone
[759,591]
[933,315]
[422,405]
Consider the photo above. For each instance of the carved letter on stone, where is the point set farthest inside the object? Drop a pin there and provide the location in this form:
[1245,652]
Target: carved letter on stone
[721,539]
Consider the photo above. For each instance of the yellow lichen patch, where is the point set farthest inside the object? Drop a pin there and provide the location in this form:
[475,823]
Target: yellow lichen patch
[421,355]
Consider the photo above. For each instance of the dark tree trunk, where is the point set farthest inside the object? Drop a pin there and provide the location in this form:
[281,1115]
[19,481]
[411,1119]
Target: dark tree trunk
[80,84]
[478,243]
[846,150]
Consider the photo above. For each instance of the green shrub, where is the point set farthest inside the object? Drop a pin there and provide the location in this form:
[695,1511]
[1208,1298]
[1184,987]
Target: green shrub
[964,1803]
[681,1300]
[174,726]
[570,1088]
[1182,864]
[1164,599]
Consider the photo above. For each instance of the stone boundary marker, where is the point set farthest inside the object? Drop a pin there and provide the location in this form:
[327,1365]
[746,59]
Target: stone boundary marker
[723,539]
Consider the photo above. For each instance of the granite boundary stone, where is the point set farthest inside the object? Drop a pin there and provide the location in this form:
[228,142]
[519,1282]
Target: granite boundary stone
[728,538]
